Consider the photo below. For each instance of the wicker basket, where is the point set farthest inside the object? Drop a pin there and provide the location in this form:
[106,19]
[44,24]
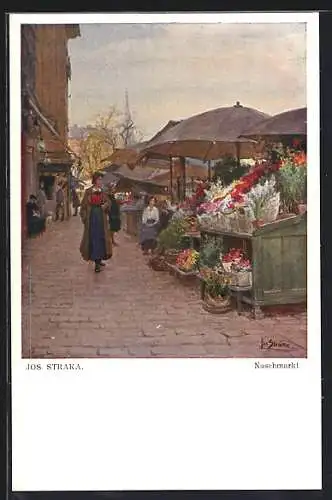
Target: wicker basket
[204,224]
[242,278]
[216,305]
[171,256]
[158,263]
[245,224]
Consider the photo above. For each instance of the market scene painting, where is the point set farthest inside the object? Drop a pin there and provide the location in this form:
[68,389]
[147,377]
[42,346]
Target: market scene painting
[164,190]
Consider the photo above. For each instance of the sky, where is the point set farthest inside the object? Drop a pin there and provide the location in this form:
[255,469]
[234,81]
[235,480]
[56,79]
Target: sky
[173,71]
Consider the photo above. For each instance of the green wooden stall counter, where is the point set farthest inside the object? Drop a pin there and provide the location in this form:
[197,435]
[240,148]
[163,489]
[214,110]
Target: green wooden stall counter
[278,252]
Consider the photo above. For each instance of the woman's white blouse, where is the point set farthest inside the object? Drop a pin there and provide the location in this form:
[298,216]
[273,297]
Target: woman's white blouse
[150,213]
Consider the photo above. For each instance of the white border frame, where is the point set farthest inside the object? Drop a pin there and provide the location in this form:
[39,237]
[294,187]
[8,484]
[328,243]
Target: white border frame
[232,394]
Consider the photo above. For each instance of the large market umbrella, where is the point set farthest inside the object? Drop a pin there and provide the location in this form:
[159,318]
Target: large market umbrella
[288,123]
[131,155]
[209,135]
[128,155]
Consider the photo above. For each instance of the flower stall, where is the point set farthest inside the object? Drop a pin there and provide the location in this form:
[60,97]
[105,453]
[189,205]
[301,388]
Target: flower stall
[260,221]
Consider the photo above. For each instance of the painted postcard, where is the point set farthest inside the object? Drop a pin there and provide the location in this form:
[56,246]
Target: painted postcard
[164,190]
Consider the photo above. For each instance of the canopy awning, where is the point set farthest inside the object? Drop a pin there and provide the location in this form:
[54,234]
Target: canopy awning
[48,124]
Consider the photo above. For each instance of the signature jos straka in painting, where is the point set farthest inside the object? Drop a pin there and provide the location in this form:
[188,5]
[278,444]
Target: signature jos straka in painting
[168,180]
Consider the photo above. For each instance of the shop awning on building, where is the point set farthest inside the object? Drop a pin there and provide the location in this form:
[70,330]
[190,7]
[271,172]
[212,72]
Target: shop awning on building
[50,127]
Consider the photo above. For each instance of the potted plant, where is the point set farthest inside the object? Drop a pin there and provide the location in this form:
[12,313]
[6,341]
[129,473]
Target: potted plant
[170,240]
[210,254]
[292,179]
[216,298]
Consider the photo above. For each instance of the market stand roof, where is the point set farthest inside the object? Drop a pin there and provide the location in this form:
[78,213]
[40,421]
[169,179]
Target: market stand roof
[130,154]
[209,135]
[288,123]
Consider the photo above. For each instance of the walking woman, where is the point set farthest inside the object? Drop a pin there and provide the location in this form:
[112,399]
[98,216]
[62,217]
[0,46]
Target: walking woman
[95,245]
[75,200]
[114,215]
[150,227]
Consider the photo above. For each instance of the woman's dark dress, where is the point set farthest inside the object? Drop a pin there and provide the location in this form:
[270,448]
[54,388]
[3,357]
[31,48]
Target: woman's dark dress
[36,224]
[114,216]
[97,243]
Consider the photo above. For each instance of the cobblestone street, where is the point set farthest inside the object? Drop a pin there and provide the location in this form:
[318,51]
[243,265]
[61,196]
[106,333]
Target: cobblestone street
[129,310]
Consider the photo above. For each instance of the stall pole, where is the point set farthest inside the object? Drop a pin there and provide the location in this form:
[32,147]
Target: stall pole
[183,177]
[171,177]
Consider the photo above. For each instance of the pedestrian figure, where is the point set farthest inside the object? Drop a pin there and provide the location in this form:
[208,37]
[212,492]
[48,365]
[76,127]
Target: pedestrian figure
[59,203]
[75,200]
[96,244]
[150,226]
[114,215]
[41,200]
[165,216]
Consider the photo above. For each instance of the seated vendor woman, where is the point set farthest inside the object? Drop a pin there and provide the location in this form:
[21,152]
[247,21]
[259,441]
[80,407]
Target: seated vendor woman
[36,224]
[96,244]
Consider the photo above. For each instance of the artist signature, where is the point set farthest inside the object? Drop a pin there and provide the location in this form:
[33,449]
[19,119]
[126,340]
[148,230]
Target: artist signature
[269,343]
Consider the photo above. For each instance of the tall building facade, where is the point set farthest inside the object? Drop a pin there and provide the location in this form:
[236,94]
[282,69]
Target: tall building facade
[45,73]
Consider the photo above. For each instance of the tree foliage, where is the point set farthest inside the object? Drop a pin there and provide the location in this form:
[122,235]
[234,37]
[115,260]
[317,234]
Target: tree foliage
[111,130]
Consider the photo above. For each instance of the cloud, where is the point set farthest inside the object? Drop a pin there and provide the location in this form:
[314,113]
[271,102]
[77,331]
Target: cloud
[176,70]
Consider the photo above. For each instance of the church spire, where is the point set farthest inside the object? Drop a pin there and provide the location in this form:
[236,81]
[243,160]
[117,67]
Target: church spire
[127,109]
[128,128]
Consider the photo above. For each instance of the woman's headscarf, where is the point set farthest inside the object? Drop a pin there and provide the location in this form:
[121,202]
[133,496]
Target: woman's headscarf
[96,176]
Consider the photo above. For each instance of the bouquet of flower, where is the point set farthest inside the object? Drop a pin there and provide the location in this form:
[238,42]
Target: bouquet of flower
[187,260]
[243,264]
[292,178]
[217,283]
[237,263]
[259,196]
[235,259]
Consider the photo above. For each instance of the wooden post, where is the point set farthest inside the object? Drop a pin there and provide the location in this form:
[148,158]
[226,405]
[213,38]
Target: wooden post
[171,177]
[209,170]
[238,153]
[183,177]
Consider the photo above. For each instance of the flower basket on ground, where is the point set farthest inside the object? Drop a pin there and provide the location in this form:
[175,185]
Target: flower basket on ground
[216,297]
[187,261]
[158,263]
[171,256]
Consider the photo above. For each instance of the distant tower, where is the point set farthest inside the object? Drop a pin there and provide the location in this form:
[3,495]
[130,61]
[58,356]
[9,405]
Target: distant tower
[128,129]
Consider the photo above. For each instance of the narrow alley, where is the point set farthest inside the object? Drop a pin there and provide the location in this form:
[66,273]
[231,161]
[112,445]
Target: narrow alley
[129,310]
